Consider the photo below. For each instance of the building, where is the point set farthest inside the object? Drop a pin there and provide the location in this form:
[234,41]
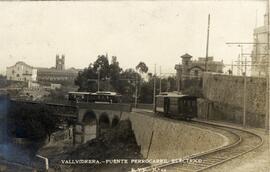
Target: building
[193,69]
[21,72]
[60,62]
[57,73]
[259,52]
[54,75]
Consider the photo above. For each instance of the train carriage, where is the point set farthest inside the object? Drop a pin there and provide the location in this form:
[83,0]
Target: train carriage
[78,96]
[176,105]
[98,97]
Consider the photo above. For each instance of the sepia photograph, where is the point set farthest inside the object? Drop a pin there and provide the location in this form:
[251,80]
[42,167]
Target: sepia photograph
[135,86]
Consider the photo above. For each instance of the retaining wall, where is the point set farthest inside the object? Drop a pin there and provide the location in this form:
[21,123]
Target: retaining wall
[171,139]
[223,99]
[66,134]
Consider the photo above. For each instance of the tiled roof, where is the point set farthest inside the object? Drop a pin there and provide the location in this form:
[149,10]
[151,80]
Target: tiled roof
[186,56]
[21,63]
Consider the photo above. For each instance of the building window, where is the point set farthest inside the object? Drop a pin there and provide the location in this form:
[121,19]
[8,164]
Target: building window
[18,75]
[186,62]
[13,72]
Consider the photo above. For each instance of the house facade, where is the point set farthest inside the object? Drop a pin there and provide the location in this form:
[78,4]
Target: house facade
[193,69]
[21,72]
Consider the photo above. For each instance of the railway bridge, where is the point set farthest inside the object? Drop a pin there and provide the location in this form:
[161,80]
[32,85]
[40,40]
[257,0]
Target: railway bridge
[160,137]
[90,119]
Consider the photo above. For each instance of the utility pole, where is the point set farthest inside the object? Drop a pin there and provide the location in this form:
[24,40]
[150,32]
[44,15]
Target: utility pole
[245,90]
[241,58]
[245,81]
[239,65]
[267,119]
[99,67]
[178,74]
[154,91]
[159,79]
[136,92]
[207,42]
[240,44]
[232,67]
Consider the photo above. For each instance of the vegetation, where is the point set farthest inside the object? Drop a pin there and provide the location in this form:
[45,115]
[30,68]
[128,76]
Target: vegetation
[3,81]
[32,122]
[114,78]
[142,67]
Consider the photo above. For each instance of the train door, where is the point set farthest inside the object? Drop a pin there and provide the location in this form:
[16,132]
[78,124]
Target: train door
[166,105]
[180,106]
[194,112]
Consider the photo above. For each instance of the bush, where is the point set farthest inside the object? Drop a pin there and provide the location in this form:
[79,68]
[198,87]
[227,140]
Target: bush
[35,122]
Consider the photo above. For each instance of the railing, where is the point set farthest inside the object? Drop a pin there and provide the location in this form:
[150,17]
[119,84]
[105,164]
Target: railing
[104,106]
[70,106]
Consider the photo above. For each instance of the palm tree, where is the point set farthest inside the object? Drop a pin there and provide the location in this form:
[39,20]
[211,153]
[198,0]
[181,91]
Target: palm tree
[142,67]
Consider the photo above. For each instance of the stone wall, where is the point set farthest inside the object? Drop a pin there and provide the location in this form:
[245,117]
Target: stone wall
[3,118]
[61,135]
[168,139]
[224,99]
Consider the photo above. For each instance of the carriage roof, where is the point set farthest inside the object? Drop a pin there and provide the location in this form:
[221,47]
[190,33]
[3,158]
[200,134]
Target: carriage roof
[174,95]
[74,92]
[106,93]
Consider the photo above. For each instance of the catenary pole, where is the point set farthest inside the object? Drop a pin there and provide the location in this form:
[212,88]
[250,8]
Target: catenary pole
[207,43]
[159,79]
[267,119]
[154,91]
[245,92]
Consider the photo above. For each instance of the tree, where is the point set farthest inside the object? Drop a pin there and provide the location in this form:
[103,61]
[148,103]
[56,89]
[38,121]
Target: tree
[86,80]
[102,62]
[142,67]
[127,84]
[33,122]
[115,74]
[3,81]
[109,75]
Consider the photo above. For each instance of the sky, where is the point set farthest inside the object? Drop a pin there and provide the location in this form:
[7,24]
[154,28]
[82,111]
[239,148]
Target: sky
[155,32]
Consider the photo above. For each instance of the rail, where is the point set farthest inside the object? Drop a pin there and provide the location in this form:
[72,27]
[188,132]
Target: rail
[213,157]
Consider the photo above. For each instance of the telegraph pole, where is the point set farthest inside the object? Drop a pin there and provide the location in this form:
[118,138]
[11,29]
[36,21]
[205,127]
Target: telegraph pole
[239,65]
[245,81]
[241,58]
[99,67]
[136,92]
[267,122]
[232,67]
[245,90]
[154,91]
[207,43]
[267,119]
[160,80]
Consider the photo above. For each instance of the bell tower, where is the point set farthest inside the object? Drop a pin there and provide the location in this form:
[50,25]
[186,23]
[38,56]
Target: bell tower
[60,62]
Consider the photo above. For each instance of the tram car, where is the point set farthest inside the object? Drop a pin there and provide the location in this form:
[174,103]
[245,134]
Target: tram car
[176,105]
[98,97]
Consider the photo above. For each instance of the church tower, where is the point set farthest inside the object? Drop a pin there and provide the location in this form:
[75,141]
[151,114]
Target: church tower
[60,62]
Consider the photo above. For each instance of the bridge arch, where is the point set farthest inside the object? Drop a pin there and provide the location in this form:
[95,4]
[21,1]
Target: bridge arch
[115,121]
[90,126]
[104,123]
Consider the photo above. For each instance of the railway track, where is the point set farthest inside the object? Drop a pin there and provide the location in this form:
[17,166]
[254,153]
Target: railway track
[247,142]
